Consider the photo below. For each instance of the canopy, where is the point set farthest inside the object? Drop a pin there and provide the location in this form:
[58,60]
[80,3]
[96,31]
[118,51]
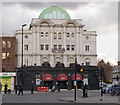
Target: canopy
[47,77]
[78,77]
[61,77]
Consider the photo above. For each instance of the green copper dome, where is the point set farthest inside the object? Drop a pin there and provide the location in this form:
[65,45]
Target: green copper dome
[54,12]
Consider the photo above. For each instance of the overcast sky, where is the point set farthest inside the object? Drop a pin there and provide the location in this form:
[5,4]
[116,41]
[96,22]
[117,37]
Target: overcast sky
[96,16]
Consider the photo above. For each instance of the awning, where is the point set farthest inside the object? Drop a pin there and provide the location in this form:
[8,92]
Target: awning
[47,77]
[61,77]
[78,77]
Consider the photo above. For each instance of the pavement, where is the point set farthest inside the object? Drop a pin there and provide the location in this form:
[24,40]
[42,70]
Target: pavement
[64,96]
[104,99]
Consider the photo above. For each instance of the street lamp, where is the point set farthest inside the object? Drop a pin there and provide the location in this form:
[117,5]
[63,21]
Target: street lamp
[22,51]
[101,74]
[75,84]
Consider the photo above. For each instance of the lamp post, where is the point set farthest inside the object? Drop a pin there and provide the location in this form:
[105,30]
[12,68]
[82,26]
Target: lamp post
[101,74]
[75,79]
[22,51]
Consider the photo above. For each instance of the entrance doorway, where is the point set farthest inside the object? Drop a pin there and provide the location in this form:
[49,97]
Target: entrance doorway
[62,84]
[48,84]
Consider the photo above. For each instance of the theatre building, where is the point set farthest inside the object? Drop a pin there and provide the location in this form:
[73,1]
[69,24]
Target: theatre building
[57,39]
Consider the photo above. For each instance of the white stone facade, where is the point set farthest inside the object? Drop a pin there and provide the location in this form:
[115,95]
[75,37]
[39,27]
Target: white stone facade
[47,34]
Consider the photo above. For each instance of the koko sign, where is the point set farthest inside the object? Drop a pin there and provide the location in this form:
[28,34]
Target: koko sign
[58,50]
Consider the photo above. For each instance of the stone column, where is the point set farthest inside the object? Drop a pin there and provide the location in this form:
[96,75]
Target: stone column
[65,60]
[33,40]
[38,40]
[38,45]
[52,60]
[64,37]
[33,45]
[77,41]
[51,39]
[81,47]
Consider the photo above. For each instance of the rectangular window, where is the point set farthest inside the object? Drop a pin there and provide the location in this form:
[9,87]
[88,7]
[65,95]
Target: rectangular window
[42,36]
[87,48]
[26,47]
[8,68]
[87,63]
[72,47]
[46,47]
[42,47]
[59,46]
[55,46]
[68,34]
[68,47]
[72,35]
[3,56]
[46,36]
[8,44]
[3,44]
[3,68]
[8,55]
[59,37]
[55,36]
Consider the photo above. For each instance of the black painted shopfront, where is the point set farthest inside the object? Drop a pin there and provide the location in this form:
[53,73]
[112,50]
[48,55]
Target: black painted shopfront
[59,76]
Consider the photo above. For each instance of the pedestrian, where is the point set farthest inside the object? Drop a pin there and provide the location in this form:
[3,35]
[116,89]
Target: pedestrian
[0,87]
[58,88]
[20,88]
[5,89]
[53,89]
[84,91]
[16,88]
[32,87]
[112,91]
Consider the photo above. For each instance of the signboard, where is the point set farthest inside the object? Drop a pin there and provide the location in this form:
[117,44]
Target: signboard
[38,81]
[7,74]
[75,83]
[58,50]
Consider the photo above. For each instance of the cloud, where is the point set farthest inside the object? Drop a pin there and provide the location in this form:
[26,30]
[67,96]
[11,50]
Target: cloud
[41,5]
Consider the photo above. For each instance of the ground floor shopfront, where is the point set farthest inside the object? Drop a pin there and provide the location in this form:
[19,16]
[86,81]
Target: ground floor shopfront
[59,76]
[8,78]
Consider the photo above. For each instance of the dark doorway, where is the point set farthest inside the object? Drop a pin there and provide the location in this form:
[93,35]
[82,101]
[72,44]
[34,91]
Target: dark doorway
[27,82]
[48,84]
[62,84]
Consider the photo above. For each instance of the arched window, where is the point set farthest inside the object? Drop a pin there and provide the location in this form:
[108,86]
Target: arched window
[58,59]
[70,60]
[44,59]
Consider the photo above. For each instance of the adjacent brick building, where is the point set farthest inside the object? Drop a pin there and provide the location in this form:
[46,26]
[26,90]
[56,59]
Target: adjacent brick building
[8,61]
[8,54]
